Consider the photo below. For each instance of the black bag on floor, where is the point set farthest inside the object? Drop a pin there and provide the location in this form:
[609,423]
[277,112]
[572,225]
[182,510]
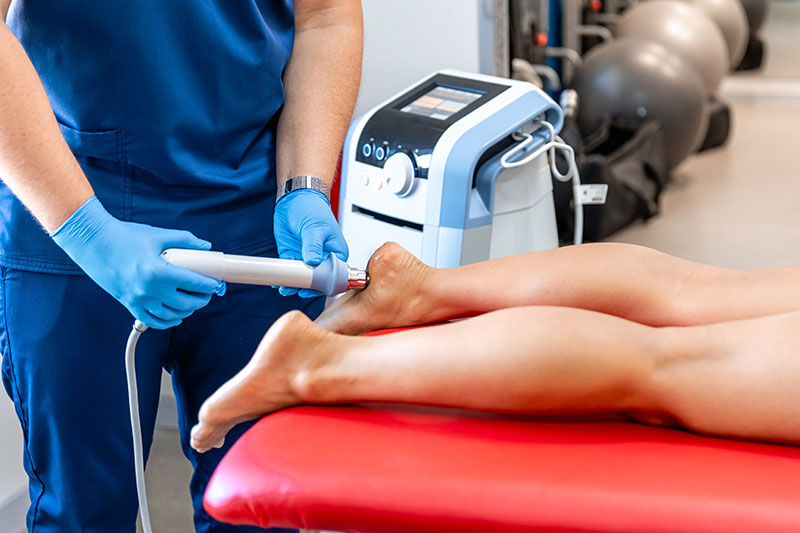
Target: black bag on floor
[631,162]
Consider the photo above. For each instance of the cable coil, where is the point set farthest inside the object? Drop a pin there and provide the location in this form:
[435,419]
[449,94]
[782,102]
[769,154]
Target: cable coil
[555,143]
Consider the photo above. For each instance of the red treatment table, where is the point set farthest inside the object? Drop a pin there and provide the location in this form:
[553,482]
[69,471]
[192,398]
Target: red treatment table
[382,469]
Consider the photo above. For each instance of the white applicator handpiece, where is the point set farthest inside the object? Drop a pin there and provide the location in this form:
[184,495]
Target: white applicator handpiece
[331,277]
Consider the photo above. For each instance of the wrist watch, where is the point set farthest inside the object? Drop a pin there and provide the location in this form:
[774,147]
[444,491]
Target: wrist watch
[304,182]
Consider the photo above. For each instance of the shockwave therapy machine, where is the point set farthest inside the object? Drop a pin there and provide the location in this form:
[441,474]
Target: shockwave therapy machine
[331,277]
[457,169]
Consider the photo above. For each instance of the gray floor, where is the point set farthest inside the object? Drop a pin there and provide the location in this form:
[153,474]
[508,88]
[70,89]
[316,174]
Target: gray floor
[167,477]
[736,207]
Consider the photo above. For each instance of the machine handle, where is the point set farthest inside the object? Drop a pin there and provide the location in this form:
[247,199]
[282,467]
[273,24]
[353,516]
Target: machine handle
[525,141]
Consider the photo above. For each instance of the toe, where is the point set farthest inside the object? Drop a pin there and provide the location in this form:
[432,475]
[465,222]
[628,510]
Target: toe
[199,438]
[204,437]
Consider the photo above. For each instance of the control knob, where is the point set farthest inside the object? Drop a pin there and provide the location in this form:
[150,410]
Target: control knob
[399,173]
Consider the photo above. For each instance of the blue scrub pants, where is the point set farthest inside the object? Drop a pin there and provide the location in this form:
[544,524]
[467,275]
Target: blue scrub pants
[63,341]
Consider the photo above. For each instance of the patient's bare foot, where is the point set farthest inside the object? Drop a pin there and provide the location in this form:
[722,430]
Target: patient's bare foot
[394,297]
[270,381]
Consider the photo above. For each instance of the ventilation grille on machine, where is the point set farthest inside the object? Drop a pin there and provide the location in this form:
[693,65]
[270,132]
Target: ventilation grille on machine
[385,218]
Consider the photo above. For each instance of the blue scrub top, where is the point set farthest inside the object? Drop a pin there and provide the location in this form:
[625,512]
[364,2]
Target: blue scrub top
[178,99]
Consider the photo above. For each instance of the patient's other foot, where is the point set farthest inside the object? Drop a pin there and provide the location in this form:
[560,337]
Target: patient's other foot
[270,381]
[393,298]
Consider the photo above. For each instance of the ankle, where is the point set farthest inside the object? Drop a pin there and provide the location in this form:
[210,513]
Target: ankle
[421,303]
[304,385]
[314,381]
[440,297]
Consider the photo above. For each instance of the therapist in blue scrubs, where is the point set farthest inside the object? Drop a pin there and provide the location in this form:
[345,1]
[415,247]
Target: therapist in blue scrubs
[128,127]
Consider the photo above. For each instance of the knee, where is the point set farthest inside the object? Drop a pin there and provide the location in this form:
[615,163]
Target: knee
[653,389]
[678,357]
[671,285]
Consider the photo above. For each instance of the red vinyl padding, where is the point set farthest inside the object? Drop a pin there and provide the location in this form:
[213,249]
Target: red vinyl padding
[412,469]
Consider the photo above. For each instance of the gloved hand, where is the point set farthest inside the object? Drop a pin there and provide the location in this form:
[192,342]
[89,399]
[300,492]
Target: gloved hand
[306,229]
[124,258]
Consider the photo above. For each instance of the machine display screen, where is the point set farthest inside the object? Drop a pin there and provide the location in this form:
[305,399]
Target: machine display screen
[441,102]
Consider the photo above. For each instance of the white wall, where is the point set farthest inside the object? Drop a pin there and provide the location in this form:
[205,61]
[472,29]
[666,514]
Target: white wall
[13,481]
[405,41]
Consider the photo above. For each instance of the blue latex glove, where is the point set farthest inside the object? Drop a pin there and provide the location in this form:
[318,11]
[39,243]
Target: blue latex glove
[124,258]
[306,229]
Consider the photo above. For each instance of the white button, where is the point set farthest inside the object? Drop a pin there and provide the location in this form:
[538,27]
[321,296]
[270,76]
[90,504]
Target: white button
[365,180]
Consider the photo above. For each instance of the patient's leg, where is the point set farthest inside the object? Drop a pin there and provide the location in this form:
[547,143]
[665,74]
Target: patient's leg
[737,379]
[624,280]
